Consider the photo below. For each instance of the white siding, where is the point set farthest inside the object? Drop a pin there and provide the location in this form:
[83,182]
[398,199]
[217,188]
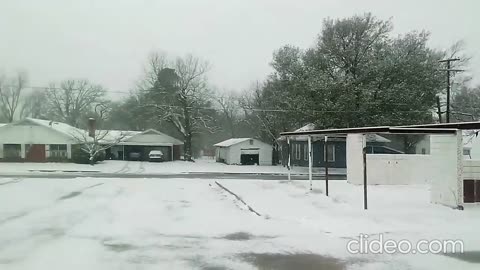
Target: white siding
[471,169]
[234,154]
[222,153]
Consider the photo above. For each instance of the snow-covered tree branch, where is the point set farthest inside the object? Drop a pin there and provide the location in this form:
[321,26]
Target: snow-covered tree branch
[180,95]
[93,146]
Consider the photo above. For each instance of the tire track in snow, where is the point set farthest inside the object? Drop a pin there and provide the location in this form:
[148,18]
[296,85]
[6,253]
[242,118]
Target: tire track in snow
[125,168]
[78,192]
[30,211]
[14,181]
[141,169]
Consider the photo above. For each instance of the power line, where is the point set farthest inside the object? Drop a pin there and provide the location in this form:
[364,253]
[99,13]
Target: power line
[74,89]
[245,109]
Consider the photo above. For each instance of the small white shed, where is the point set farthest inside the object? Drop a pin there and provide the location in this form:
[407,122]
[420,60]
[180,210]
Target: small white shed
[244,151]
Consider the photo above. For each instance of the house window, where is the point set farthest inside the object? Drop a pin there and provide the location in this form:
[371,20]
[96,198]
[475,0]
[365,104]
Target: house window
[466,152]
[58,150]
[331,153]
[305,152]
[251,142]
[12,150]
[297,151]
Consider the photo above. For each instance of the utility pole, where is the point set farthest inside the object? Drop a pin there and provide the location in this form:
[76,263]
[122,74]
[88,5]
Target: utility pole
[439,110]
[448,70]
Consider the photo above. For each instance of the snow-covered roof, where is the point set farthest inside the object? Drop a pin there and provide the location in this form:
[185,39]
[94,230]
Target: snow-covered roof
[2,124]
[160,137]
[231,142]
[307,127]
[115,136]
[126,137]
[66,129]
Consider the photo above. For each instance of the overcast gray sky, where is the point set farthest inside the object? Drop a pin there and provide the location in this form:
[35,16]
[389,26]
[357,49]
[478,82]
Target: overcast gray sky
[108,41]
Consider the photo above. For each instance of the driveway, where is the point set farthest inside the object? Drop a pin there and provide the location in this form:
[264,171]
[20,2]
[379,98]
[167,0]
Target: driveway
[142,224]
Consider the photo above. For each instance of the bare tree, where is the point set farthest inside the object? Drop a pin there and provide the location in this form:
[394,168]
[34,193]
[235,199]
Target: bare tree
[74,99]
[10,95]
[156,62]
[458,50]
[229,106]
[180,95]
[101,141]
[35,105]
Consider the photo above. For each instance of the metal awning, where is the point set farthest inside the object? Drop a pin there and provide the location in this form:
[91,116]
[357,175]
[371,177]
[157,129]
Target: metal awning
[445,128]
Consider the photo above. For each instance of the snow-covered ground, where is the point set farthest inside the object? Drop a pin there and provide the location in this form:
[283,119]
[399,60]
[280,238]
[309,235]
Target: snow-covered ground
[117,166]
[90,223]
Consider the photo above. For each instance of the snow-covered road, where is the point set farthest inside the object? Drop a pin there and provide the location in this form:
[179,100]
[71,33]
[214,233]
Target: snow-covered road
[88,223]
[172,167]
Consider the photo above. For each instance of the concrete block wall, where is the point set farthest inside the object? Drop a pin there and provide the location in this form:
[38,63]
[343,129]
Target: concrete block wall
[385,169]
[355,144]
[447,169]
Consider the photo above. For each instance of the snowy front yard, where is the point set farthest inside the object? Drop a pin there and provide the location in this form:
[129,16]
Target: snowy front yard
[89,223]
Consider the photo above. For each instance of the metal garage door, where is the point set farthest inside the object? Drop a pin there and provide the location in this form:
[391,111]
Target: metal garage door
[250,156]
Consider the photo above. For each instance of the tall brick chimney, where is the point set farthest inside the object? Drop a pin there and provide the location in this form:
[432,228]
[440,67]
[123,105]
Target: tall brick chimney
[91,127]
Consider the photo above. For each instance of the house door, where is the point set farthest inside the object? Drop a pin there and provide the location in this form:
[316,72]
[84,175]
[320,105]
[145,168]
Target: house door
[35,153]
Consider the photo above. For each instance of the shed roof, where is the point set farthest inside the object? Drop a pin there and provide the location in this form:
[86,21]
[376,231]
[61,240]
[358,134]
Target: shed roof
[231,142]
[164,138]
[443,128]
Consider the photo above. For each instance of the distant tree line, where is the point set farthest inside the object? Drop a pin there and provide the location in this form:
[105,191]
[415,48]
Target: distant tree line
[356,74]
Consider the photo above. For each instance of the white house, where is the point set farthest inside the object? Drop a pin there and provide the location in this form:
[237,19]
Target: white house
[36,140]
[245,151]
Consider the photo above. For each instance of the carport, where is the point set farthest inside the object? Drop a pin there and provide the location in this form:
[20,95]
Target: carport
[443,167]
[138,146]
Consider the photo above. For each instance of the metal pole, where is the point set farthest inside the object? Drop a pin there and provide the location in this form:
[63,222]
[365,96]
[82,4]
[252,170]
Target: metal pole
[310,161]
[448,92]
[326,165]
[288,165]
[365,195]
